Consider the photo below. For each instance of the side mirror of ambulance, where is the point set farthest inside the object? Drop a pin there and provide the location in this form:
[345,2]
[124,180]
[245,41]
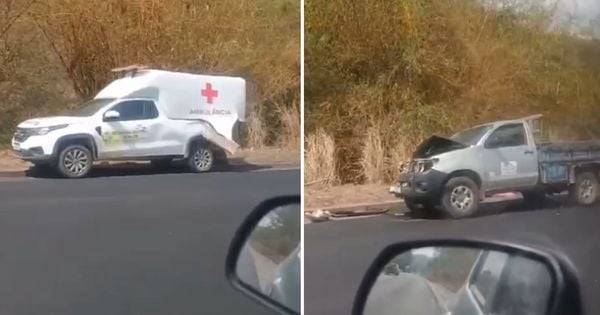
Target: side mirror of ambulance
[111,115]
[467,278]
[264,256]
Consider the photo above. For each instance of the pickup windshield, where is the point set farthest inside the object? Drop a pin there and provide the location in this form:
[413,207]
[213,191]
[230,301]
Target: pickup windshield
[91,107]
[471,136]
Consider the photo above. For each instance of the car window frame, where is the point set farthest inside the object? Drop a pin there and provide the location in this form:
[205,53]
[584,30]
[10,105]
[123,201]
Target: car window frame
[487,144]
[153,104]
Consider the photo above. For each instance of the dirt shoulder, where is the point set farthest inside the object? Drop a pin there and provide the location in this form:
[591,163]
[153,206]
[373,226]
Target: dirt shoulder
[9,162]
[275,157]
[320,197]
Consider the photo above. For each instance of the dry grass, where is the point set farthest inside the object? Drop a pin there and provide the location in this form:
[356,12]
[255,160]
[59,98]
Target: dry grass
[373,156]
[320,159]
[257,133]
[290,127]
[381,76]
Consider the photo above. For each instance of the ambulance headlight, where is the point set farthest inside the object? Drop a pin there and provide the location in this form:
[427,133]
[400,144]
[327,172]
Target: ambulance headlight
[45,130]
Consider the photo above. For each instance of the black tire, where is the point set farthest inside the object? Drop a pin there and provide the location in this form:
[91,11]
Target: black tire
[413,206]
[585,190]
[75,161]
[455,189]
[161,164]
[201,159]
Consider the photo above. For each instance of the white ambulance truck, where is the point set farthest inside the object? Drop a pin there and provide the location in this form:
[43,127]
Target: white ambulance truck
[151,115]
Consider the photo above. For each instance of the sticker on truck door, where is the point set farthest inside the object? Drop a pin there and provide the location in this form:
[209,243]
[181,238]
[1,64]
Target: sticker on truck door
[508,168]
[115,138]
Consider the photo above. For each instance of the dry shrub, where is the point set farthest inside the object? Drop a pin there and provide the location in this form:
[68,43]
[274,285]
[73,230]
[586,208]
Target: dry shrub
[414,68]
[320,158]
[397,155]
[290,127]
[256,133]
[373,156]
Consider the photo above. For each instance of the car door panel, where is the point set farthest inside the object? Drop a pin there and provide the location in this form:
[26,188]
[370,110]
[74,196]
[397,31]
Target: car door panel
[126,136]
[513,162]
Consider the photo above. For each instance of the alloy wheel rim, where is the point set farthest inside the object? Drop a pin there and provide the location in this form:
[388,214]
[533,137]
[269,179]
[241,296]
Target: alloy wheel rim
[461,198]
[202,159]
[76,161]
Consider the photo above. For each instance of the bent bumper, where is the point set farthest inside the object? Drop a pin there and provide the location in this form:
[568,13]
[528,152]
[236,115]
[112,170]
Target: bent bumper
[421,186]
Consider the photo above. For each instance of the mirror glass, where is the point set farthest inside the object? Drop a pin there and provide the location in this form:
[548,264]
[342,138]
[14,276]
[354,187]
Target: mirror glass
[465,281]
[111,114]
[270,259]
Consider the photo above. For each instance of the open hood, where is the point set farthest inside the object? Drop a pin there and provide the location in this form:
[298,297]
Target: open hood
[436,145]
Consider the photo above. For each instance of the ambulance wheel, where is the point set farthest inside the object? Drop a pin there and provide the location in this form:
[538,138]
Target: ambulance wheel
[75,161]
[201,159]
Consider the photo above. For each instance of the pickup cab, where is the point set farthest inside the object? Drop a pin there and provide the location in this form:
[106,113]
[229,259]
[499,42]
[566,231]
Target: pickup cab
[455,174]
[148,115]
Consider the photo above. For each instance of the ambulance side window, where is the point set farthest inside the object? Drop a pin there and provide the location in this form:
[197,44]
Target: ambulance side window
[136,110]
[150,111]
[130,110]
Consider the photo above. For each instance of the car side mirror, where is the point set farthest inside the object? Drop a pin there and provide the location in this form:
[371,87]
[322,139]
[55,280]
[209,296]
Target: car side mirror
[111,115]
[264,259]
[466,277]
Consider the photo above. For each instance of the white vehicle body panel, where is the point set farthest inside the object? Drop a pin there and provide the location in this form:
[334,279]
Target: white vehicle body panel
[188,106]
[216,99]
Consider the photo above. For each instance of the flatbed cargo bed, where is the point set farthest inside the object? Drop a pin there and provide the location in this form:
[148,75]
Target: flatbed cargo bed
[558,160]
[582,151]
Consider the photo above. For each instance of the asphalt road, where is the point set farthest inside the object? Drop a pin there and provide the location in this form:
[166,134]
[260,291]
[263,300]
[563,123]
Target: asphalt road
[147,244]
[338,253]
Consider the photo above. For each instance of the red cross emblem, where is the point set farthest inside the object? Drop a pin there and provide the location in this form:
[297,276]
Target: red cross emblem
[209,93]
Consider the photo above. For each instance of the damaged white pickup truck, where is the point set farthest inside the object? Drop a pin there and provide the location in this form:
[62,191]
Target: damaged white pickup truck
[455,174]
[150,115]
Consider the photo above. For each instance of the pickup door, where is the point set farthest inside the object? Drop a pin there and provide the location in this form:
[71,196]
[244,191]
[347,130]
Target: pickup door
[510,158]
[134,133]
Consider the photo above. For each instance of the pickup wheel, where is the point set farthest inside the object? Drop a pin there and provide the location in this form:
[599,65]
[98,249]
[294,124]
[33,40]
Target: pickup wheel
[460,197]
[201,159]
[585,190]
[74,161]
